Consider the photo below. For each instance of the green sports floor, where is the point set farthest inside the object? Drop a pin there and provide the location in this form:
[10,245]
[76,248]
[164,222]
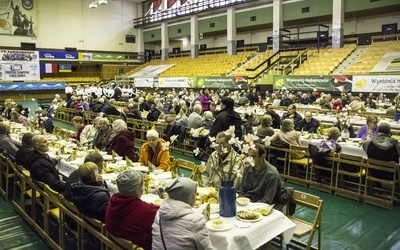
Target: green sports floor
[346,224]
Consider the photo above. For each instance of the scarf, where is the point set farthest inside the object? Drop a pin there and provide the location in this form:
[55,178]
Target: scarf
[152,157]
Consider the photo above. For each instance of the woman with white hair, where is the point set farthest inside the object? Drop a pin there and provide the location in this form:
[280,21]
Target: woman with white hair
[89,132]
[103,134]
[123,142]
[155,152]
[176,215]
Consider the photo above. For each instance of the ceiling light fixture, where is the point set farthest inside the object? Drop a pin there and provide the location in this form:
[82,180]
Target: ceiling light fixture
[102,2]
[96,3]
[93,5]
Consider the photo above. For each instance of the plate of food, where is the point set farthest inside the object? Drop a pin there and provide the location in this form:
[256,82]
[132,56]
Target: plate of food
[149,198]
[219,225]
[242,224]
[250,216]
[141,168]
[262,208]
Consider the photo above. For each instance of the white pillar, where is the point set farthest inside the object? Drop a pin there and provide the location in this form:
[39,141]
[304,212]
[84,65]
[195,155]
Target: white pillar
[337,24]
[164,41]
[277,24]
[231,36]
[139,39]
[194,36]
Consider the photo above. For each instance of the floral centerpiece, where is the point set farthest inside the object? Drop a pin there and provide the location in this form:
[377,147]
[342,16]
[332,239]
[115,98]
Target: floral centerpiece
[226,165]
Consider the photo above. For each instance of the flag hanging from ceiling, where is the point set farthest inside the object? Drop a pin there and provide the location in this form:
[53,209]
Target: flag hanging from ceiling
[48,68]
[65,68]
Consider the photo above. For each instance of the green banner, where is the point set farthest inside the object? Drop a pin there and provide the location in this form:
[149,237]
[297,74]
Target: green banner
[218,82]
[105,56]
[307,83]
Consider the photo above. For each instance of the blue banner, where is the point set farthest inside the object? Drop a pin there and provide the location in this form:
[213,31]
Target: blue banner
[58,55]
[29,86]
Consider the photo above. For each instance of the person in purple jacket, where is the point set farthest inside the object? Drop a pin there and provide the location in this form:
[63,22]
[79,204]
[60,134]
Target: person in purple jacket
[371,128]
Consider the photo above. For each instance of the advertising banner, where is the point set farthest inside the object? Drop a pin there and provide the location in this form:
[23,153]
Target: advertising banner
[144,82]
[58,55]
[85,56]
[104,56]
[30,86]
[377,84]
[308,83]
[174,82]
[390,62]
[18,65]
[218,82]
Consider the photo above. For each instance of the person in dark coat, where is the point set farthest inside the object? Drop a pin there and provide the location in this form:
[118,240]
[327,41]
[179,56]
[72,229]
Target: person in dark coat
[225,118]
[110,109]
[153,114]
[98,107]
[308,124]
[123,142]
[134,112]
[24,151]
[276,119]
[291,113]
[382,147]
[42,167]
[91,197]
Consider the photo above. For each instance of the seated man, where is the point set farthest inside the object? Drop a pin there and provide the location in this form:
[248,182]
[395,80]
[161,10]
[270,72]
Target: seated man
[382,147]
[42,167]
[154,152]
[223,164]
[308,124]
[195,119]
[6,143]
[24,151]
[262,182]
[291,113]
[127,215]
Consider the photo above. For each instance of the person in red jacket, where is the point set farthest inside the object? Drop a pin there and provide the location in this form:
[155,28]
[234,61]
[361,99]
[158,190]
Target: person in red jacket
[123,142]
[127,216]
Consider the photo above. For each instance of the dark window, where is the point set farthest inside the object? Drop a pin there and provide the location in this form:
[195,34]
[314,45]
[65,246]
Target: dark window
[152,35]
[179,31]
[373,1]
[305,10]
[253,18]
[212,25]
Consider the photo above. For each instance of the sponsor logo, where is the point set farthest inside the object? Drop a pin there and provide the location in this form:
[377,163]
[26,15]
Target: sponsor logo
[48,55]
[16,67]
[69,56]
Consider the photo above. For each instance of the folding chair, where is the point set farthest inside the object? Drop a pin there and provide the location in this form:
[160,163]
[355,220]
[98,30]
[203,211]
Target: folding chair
[294,173]
[123,243]
[349,176]
[52,208]
[6,175]
[320,173]
[72,221]
[308,204]
[279,158]
[181,164]
[387,174]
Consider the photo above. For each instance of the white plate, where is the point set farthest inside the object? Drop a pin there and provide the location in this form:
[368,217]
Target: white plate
[77,162]
[107,157]
[242,224]
[149,198]
[214,216]
[110,176]
[254,206]
[141,168]
[226,226]
[121,163]
[260,216]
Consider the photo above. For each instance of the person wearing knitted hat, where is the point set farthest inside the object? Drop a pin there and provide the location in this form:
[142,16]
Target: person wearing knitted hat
[127,216]
[176,215]
[123,142]
[155,152]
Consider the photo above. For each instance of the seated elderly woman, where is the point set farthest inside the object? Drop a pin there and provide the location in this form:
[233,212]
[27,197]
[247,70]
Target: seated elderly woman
[19,118]
[371,128]
[176,214]
[103,134]
[77,121]
[24,150]
[154,152]
[123,142]
[89,132]
[265,129]
[208,120]
[288,135]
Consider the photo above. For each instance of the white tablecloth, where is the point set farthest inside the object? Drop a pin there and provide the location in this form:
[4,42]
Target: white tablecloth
[347,147]
[254,236]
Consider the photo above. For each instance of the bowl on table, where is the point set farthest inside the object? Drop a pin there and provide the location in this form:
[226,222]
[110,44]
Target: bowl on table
[217,223]
[159,171]
[136,164]
[243,201]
